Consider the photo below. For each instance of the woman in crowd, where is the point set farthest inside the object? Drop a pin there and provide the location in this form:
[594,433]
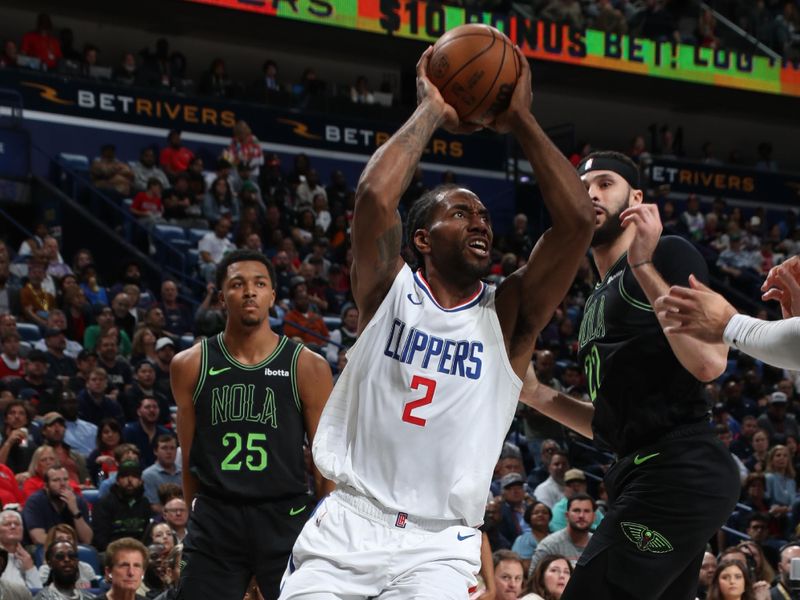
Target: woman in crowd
[763,570]
[758,460]
[66,533]
[538,515]
[172,573]
[781,485]
[220,201]
[43,458]
[126,561]
[549,579]
[732,582]
[78,311]
[143,346]
[161,534]
[101,461]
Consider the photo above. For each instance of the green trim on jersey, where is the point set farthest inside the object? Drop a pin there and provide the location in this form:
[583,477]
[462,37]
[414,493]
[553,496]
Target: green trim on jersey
[262,364]
[601,283]
[201,380]
[293,371]
[630,299]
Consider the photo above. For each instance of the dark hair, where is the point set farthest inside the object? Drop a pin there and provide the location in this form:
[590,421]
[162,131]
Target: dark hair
[581,496]
[163,438]
[48,553]
[241,256]
[122,545]
[112,424]
[536,582]
[168,491]
[756,516]
[14,403]
[713,590]
[419,216]
[531,507]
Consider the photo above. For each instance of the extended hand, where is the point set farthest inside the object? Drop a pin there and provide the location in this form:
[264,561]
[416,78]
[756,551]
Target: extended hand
[429,93]
[520,104]
[783,284]
[697,311]
[24,558]
[648,230]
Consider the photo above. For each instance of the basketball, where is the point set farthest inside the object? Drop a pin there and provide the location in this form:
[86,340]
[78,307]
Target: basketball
[475,68]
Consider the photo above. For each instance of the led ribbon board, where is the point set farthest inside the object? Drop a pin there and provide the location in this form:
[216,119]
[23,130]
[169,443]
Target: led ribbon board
[426,21]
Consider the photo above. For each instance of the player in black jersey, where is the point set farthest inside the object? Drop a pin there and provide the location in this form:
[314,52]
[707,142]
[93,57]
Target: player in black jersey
[674,484]
[247,399]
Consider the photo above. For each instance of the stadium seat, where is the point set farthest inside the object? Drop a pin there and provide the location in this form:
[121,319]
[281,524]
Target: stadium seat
[91,495]
[194,235]
[332,322]
[29,332]
[170,232]
[76,162]
[185,342]
[88,555]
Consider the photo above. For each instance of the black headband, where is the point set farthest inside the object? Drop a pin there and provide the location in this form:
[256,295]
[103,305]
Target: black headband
[609,163]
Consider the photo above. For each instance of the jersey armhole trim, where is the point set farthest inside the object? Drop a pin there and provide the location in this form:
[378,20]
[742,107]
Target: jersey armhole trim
[630,299]
[293,371]
[203,367]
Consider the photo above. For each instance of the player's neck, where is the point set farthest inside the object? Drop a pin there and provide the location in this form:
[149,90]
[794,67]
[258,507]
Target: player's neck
[449,293]
[250,345]
[607,255]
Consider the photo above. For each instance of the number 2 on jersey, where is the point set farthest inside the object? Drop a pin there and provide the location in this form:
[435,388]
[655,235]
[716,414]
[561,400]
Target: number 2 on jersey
[430,388]
[230,464]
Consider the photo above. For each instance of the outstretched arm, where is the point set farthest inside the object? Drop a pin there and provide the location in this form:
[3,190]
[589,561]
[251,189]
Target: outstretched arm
[704,360]
[527,299]
[570,412]
[377,231]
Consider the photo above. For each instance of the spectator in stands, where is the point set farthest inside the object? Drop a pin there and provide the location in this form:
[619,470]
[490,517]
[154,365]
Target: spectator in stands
[57,320]
[144,345]
[742,445]
[55,504]
[20,568]
[268,83]
[41,43]
[783,586]
[758,460]
[65,533]
[245,148]
[146,169]
[513,507]
[165,352]
[91,286]
[35,301]
[101,462]
[302,315]
[18,443]
[777,422]
[147,206]
[175,157]
[345,335]
[757,547]
[43,458]
[56,267]
[508,575]
[220,202]
[215,81]
[94,405]
[155,320]
[572,540]
[11,363]
[309,188]
[9,289]
[126,561]
[564,12]
[124,512]
[552,489]
[124,320]
[89,61]
[548,580]
[78,312]
[574,484]
[741,266]
[61,559]
[122,453]
[213,246]
[609,19]
[119,371]
[54,428]
[781,485]
[143,432]
[62,367]
[360,92]
[164,470]
[80,435]
[210,316]
[37,388]
[707,568]
[144,387]
[538,516]
[126,73]
[111,174]
[692,219]
[177,315]
[181,206]
[176,515]
[8,60]
[308,88]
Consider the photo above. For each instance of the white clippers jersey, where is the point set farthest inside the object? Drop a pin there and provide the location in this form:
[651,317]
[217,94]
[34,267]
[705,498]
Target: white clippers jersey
[418,417]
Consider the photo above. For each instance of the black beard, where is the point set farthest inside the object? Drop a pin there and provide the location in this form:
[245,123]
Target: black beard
[65,580]
[608,231]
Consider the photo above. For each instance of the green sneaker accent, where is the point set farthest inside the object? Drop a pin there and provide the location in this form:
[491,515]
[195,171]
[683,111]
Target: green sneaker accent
[637,460]
[212,371]
[645,538]
[293,512]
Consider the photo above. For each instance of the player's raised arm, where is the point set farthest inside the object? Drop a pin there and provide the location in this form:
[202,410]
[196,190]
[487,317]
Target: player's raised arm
[570,412]
[527,299]
[377,230]
[184,371]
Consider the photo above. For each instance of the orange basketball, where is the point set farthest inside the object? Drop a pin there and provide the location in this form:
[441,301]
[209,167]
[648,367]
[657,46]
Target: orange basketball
[475,68]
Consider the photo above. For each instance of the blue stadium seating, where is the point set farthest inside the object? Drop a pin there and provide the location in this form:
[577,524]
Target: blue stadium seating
[29,332]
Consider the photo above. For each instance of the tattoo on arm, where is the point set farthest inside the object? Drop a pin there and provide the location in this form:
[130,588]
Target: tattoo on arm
[389,244]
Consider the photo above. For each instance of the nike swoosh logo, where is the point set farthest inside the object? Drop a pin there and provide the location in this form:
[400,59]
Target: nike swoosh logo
[640,459]
[212,371]
[411,299]
[296,511]
[461,538]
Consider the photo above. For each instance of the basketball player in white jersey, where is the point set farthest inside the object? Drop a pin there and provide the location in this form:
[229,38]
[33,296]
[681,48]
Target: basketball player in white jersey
[415,424]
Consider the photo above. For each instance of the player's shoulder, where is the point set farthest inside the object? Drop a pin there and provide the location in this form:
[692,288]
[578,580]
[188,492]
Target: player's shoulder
[312,364]
[185,366]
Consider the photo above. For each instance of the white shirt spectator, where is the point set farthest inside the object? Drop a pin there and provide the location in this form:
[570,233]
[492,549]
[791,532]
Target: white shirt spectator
[216,247]
[549,492]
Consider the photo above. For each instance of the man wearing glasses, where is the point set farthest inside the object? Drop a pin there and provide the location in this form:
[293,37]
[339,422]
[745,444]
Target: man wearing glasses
[176,516]
[62,558]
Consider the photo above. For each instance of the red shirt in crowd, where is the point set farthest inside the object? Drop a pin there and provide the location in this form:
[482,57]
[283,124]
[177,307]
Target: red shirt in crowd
[143,202]
[35,483]
[7,371]
[175,160]
[43,46]
[307,320]
[9,489]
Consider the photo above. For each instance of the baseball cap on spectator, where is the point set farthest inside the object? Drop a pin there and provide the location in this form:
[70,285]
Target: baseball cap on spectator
[37,356]
[574,475]
[53,417]
[777,398]
[511,479]
[163,342]
[130,467]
